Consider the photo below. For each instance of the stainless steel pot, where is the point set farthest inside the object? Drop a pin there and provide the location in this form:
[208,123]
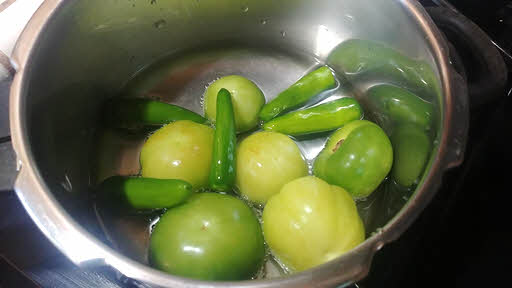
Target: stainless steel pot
[73,54]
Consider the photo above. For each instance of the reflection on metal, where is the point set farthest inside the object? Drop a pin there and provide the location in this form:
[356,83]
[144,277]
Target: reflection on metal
[325,41]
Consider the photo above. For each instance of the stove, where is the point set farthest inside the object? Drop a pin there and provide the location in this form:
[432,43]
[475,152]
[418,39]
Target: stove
[460,239]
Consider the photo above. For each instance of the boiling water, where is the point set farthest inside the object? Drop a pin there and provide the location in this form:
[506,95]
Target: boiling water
[182,80]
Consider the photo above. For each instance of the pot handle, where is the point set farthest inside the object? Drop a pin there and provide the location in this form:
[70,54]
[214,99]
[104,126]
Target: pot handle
[14,15]
[488,74]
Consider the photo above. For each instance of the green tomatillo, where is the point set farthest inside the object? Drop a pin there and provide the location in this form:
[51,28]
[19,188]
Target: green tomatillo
[357,157]
[210,237]
[180,150]
[246,96]
[310,222]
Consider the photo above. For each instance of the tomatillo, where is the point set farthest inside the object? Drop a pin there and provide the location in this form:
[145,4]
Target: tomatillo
[210,237]
[265,162]
[180,150]
[357,157]
[247,100]
[311,222]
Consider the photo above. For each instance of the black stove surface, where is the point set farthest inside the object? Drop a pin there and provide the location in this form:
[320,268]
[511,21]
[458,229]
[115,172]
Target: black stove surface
[460,239]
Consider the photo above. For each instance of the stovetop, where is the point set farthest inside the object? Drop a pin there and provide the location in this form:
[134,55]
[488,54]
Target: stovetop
[459,239]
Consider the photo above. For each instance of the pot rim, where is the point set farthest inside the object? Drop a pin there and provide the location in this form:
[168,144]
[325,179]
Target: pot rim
[84,249]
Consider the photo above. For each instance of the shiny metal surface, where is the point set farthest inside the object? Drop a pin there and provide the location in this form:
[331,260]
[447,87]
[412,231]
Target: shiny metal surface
[4,105]
[74,54]
[7,166]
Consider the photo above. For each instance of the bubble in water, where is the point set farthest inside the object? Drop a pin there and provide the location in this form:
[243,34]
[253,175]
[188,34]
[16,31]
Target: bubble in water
[160,24]
[152,224]
[283,33]
[310,166]
[263,21]
[261,272]
[284,269]
[201,101]
[245,9]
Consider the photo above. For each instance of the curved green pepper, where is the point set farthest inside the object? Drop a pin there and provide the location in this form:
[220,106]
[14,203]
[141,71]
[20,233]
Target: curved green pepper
[222,173]
[144,193]
[136,112]
[363,60]
[390,106]
[357,157]
[411,148]
[324,117]
[299,93]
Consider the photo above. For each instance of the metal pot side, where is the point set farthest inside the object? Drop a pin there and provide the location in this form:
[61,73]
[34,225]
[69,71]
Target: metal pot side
[73,54]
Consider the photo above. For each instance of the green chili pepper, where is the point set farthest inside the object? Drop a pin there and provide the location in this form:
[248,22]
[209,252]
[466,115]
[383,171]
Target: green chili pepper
[391,106]
[136,112]
[368,61]
[144,193]
[222,173]
[411,148]
[324,117]
[299,93]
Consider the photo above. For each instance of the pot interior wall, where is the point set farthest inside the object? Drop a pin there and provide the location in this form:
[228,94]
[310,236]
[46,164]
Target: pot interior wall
[90,49]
